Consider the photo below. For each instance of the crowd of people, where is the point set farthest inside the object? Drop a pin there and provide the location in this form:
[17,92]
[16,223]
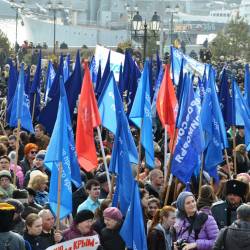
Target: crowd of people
[215,216]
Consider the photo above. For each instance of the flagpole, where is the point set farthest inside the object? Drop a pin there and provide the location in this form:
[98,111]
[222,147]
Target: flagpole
[165,153]
[59,187]
[2,127]
[169,168]
[227,161]
[201,173]
[139,154]
[33,108]
[17,149]
[234,152]
[104,157]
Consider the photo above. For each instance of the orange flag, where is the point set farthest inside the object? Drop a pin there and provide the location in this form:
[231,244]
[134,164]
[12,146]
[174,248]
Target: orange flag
[88,118]
[166,103]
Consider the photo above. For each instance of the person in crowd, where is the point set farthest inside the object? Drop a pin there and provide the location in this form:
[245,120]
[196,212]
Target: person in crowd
[224,211]
[237,235]
[8,239]
[78,197]
[93,201]
[12,147]
[33,230]
[102,178]
[99,219]
[31,201]
[156,183]
[153,205]
[38,165]
[6,187]
[242,160]
[18,221]
[194,230]
[3,149]
[240,135]
[110,237]
[6,164]
[160,235]
[225,171]
[49,235]
[42,140]
[206,199]
[30,151]
[81,226]
[38,182]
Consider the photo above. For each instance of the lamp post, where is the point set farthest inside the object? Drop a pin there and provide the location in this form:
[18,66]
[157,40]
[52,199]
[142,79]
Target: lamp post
[171,11]
[138,25]
[54,7]
[131,10]
[17,7]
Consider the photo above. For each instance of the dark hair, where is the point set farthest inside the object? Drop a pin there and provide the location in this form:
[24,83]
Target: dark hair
[143,192]
[5,157]
[3,149]
[243,212]
[154,200]
[12,137]
[41,127]
[91,183]
[99,211]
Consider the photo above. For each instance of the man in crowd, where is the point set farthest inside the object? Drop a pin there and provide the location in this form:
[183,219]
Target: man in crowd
[6,187]
[42,140]
[224,212]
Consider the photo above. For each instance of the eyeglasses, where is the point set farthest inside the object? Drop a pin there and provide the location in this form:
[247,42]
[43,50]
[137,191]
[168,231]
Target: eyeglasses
[33,152]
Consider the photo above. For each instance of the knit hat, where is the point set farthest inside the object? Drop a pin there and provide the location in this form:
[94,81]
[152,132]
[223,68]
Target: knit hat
[19,208]
[112,213]
[236,187]
[6,216]
[83,215]
[5,173]
[20,194]
[180,202]
[40,156]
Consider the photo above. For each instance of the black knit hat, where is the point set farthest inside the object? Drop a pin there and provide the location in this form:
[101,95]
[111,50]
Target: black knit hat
[83,215]
[236,187]
[20,194]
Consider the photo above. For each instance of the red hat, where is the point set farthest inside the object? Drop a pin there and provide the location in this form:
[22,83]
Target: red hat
[112,213]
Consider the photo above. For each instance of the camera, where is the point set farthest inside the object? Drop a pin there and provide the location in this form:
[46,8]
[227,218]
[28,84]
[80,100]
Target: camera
[180,243]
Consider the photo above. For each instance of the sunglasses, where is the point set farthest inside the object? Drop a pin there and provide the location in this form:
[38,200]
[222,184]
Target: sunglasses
[33,152]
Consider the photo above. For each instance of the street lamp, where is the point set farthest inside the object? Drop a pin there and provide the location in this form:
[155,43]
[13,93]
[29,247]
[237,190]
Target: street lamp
[171,11]
[17,7]
[54,7]
[131,10]
[138,25]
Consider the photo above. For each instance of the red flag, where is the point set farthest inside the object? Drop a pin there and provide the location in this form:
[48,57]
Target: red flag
[87,119]
[166,103]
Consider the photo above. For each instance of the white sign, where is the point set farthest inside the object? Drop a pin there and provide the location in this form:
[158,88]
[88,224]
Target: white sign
[83,243]
[116,59]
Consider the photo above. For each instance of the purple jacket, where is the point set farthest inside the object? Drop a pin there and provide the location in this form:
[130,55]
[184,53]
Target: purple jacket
[206,237]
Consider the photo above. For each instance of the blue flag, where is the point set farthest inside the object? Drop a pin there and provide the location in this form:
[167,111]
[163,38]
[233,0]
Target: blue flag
[20,106]
[66,68]
[35,89]
[140,115]
[61,150]
[242,111]
[189,143]
[12,83]
[213,126]
[98,77]
[133,231]
[93,70]
[27,82]
[247,85]
[49,80]
[109,102]
[225,100]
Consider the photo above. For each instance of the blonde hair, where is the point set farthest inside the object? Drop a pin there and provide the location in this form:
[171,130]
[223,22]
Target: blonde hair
[37,180]
[30,219]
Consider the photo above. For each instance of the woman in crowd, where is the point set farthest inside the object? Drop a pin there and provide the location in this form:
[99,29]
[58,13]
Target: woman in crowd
[243,162]
[38,182]
[32,233]
[160,235]
[82,226]
[110,237]
[194,230]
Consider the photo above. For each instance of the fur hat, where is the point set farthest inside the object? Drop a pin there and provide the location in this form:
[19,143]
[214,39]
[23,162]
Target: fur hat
[20,194]
[236,187]
[6,216]
[5,173]
[83,215]
[112,213]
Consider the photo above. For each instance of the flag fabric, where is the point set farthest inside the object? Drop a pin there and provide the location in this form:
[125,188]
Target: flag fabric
[133,231]
[20,105]
[104,77]
[225,100]
[166,103]
[49,80]
[27,82]
[108,103]
[61,150]
[98,77]
[88,118]
[180,82]
[66,68]
[189,143]
[93,70]
[247,85]
[36,89]
[140,115]
[242,110]
[213,126]
[12,83]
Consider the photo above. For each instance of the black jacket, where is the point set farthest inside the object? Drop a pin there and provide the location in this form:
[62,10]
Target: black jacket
[35,242]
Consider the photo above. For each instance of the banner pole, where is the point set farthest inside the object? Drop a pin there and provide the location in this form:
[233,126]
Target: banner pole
[59,186]
[17,149]
[33,108]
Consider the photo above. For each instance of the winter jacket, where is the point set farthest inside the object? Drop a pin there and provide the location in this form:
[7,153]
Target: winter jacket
[111,239]
[42,198]
[160,239]
[206,236]
[34,242]
[12,241]
[237,237]
[19,174]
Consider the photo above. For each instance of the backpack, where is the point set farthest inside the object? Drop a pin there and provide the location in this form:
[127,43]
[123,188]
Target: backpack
[198,224]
